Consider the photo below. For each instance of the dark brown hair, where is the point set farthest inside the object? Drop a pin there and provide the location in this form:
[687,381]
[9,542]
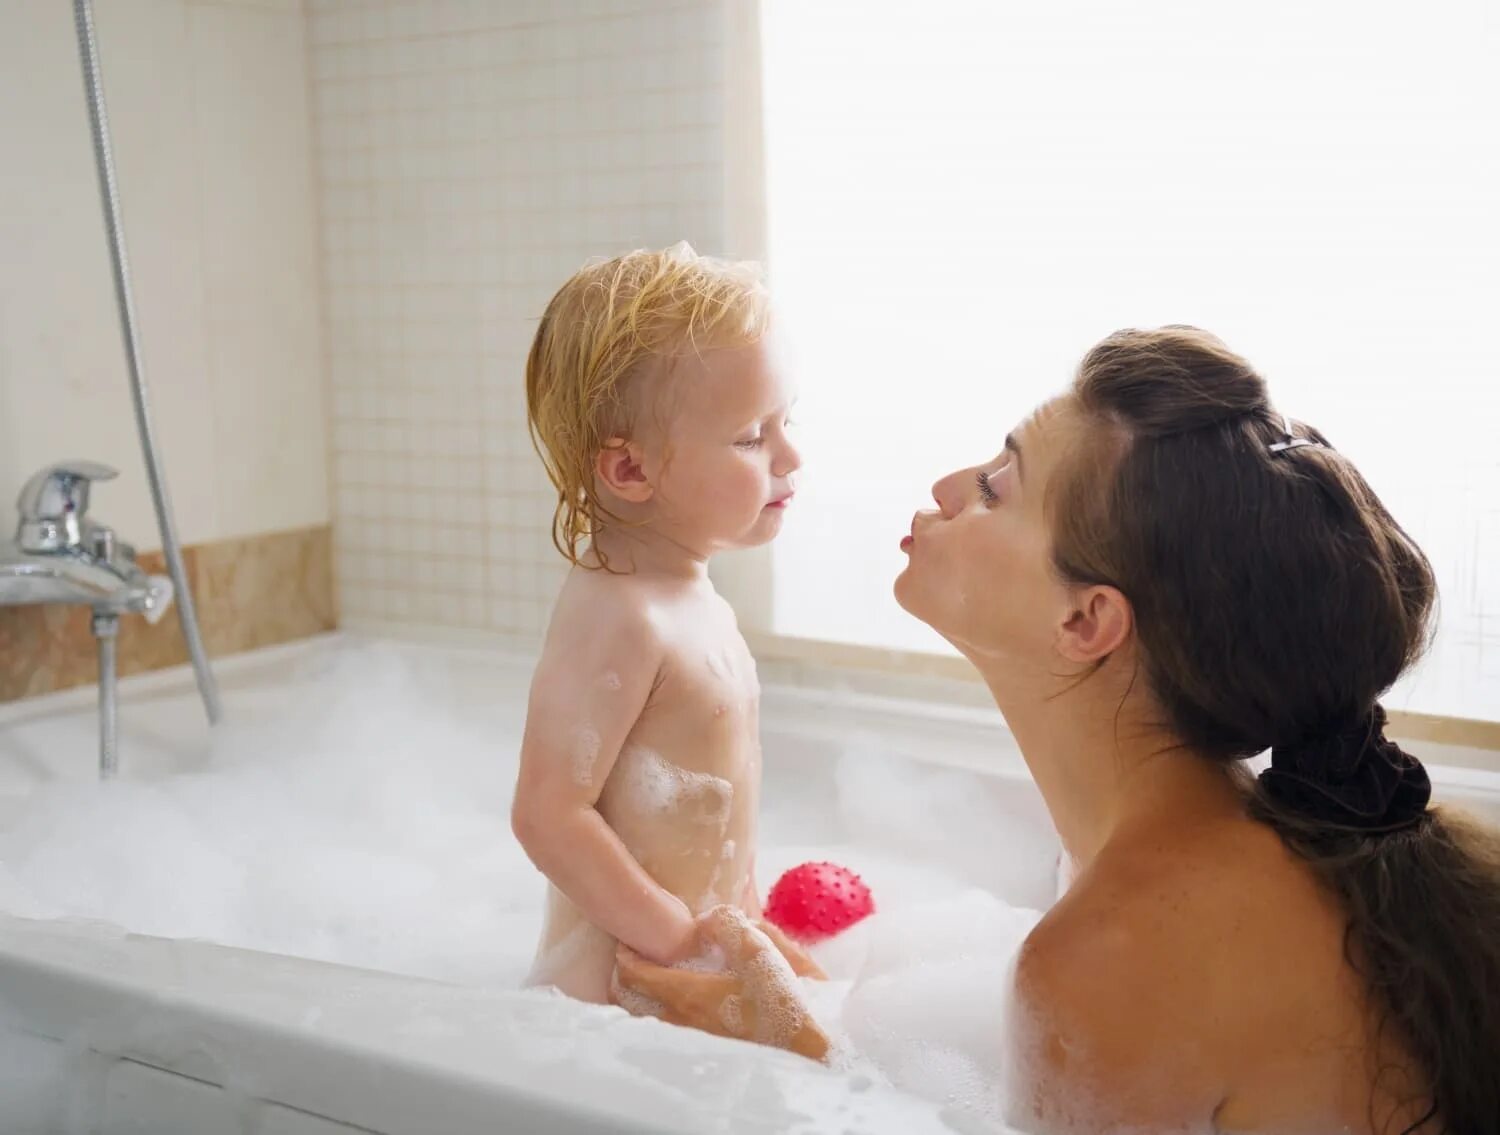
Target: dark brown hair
[1277,600]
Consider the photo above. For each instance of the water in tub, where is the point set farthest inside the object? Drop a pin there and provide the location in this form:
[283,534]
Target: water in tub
[362,818]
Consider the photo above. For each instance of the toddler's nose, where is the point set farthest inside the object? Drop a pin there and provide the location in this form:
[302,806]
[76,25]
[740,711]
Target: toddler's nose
[789,460]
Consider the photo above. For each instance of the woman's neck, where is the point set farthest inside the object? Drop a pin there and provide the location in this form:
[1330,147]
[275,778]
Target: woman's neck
[1102,759]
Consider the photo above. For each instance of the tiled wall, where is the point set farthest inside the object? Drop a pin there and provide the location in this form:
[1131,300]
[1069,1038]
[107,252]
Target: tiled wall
[252,591]
[209,110]
[471,155]
[208,104]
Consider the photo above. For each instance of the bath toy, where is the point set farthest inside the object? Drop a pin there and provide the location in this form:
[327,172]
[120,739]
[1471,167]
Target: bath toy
[818,900]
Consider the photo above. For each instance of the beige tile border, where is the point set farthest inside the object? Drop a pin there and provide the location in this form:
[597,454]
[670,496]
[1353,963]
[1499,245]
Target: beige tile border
[800,653]
[251,592]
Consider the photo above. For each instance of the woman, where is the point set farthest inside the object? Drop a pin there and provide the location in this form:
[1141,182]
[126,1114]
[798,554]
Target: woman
[1158,577]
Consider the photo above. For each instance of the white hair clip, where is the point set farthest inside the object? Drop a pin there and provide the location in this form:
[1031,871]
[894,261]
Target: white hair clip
[1290,442]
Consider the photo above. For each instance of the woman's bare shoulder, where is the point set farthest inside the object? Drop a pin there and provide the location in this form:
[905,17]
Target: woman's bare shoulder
[1189,914]
[1101,994]
[1166,965]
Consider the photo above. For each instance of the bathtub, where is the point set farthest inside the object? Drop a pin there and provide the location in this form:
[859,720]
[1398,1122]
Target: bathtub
[104,1030]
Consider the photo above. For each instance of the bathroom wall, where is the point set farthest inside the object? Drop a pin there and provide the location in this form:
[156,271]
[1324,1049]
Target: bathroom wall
[208,103]
[470,157]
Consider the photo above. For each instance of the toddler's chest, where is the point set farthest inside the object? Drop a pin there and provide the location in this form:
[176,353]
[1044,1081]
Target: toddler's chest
[713,691]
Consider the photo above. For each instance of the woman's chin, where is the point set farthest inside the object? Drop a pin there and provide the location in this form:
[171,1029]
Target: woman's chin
[906,593]
[910,598]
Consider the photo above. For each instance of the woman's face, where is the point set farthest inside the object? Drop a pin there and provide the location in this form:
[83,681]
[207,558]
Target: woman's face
[980,564]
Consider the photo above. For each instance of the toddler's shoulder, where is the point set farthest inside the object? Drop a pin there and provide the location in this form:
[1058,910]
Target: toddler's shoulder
[605,614]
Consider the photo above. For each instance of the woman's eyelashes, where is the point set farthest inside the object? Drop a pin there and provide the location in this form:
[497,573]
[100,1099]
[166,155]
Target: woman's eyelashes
[986,491]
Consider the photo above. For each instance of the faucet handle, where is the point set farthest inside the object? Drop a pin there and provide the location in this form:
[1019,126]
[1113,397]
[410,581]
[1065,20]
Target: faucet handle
[53,502]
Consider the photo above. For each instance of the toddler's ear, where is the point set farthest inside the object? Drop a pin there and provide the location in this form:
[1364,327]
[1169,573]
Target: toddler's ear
[619,466]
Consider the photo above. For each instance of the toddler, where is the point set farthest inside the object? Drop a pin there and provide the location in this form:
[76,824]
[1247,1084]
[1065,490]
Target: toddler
[658,405]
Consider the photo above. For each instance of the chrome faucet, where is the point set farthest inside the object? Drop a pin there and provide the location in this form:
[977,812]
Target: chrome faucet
[61,555]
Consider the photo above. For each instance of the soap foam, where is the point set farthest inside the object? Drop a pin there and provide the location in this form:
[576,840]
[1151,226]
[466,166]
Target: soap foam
[711,960]
[634,1003]
[357,813]
[657,785]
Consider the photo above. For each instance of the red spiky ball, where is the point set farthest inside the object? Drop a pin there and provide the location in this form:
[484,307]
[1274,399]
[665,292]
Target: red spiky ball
[818,900]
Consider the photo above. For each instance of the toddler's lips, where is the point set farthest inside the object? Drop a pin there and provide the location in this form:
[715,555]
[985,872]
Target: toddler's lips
[781,503]
[906,543]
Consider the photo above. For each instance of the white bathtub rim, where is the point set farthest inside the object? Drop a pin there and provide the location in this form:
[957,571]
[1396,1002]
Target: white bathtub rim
[365,1058]
[971,738]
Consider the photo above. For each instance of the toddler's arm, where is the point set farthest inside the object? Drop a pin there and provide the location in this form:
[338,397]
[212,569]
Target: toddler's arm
[589,689]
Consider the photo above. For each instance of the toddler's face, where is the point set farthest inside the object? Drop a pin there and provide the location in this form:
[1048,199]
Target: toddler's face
[727,477]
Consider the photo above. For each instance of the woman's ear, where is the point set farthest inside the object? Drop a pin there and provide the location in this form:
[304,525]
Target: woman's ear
[620,467]
[1099,623]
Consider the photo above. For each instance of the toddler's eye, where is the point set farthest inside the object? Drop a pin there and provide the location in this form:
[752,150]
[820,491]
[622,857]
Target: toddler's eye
[749,443]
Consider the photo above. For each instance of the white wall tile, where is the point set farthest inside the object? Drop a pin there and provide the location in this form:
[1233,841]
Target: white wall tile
[261,266]
[216,187]
[471,156]
[64,366]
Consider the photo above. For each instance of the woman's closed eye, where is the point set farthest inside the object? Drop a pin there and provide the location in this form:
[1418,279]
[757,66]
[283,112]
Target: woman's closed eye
[986,491]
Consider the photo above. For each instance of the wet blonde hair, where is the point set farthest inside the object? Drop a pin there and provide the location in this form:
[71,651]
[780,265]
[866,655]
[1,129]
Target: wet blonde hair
[610,331]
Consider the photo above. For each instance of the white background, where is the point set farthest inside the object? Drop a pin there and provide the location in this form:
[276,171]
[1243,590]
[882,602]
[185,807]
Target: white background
[963,197]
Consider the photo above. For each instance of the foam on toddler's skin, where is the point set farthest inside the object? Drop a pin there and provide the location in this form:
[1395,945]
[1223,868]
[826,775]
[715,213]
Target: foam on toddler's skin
[611,681]
[635,1003]
[711,960]
[660,786]
[652,780]
[715,797]
[780,1011]
[769,987]
[585,755]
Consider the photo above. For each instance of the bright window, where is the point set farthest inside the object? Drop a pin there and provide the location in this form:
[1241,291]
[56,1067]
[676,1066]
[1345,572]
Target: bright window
[962,197]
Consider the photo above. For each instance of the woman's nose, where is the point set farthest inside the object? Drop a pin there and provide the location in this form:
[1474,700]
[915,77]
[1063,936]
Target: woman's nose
[949,493]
